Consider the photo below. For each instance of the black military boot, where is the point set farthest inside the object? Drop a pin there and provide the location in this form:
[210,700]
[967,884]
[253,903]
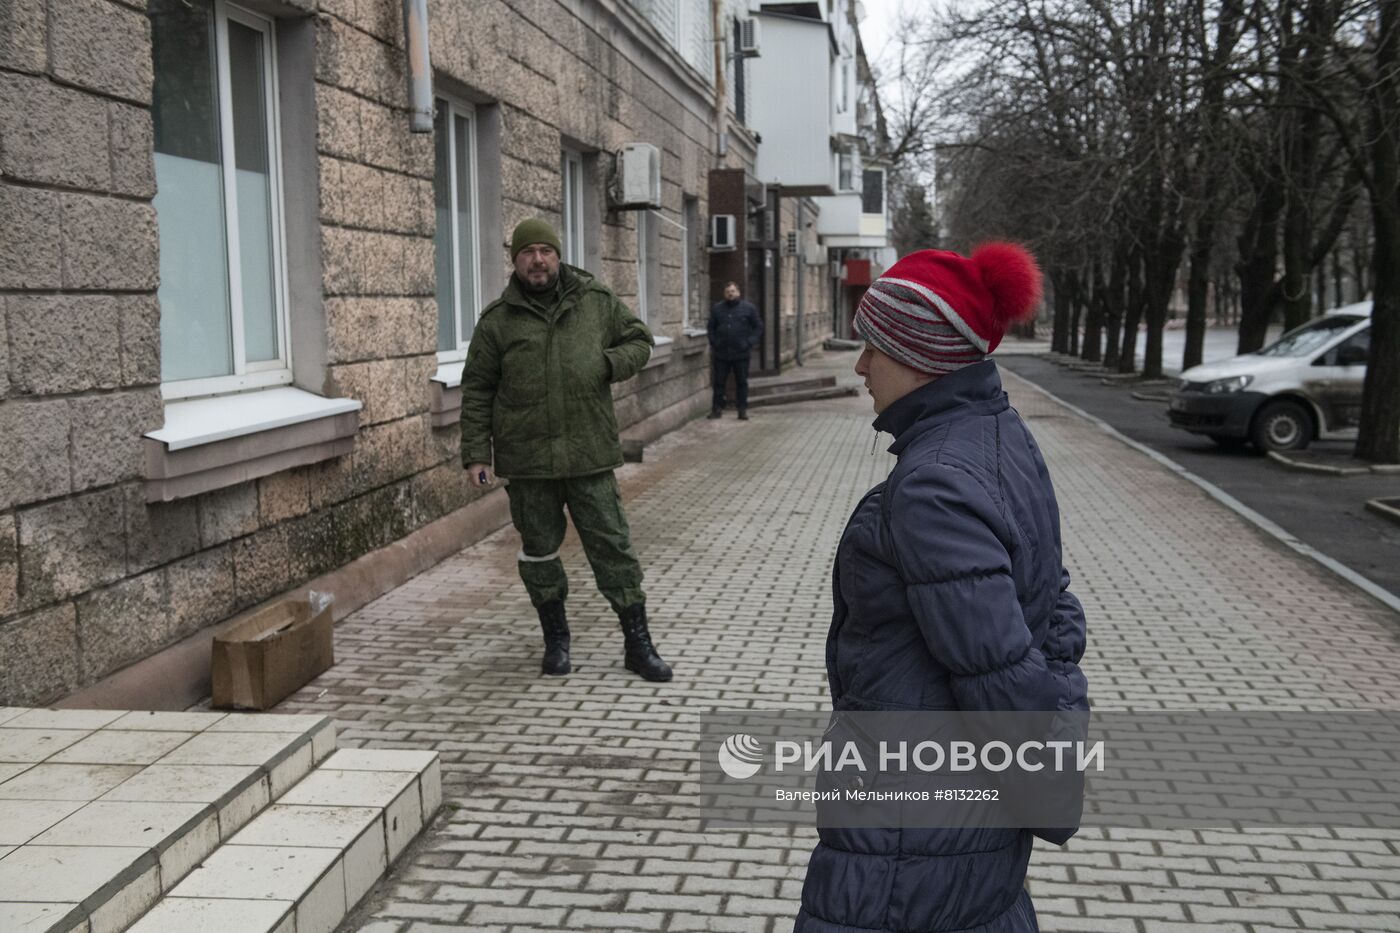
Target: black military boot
[714,413]
[641,657]
[556,638]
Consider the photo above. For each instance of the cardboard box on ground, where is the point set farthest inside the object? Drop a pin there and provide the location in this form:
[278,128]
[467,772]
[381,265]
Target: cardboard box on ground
[266,657]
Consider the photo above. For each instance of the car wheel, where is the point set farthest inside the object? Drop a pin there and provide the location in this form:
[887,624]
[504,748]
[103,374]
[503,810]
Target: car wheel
[1229,443]
[1281,425]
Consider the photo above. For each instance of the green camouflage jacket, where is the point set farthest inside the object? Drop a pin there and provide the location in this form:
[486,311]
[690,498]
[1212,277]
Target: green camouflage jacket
[536,384]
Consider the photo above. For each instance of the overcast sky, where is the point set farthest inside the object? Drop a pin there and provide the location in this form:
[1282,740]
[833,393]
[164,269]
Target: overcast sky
[878,28]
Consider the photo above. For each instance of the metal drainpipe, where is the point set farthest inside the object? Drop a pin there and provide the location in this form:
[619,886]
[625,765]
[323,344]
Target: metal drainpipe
[721,89]
[801,290]
[777,278]
[420,69]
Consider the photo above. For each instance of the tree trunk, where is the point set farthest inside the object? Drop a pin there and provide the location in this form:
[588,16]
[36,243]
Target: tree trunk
[1132,317]
[1092,350]
[1076,303]
[1297,235]
[1258,243]
[1197,291]
[1379,435]
[1113,310]
[1161,268]
[1339,296]
[1059,332]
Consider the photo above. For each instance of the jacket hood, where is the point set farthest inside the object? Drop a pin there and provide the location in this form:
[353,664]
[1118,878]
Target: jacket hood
[974,389]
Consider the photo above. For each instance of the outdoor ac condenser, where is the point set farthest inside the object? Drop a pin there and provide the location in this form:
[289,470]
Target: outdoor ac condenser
[748,37]
[638,176]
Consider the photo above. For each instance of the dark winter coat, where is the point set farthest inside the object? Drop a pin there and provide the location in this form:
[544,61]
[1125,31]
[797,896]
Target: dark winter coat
[536,386]
[734,329]
[949,594]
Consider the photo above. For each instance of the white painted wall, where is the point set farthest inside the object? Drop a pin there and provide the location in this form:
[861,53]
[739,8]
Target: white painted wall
[790,99]
[840,216]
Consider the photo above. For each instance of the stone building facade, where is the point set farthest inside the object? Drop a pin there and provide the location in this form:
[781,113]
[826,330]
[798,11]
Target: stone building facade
[236,287]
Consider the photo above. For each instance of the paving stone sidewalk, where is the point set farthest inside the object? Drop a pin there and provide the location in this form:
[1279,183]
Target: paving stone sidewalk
[567,806]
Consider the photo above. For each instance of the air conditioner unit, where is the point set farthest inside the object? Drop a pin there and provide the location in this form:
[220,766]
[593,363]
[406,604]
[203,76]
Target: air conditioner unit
[638,176]
[815,255]
[723,233]
[748,38]
[790,243]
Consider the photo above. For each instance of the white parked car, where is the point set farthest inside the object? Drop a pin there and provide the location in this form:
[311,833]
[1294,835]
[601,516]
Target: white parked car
[1303,386]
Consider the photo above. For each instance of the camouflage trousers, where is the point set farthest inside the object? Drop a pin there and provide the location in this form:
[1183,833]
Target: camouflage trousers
[595,505]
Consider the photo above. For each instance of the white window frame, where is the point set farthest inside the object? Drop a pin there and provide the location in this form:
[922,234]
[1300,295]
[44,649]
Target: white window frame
[853,182]
[270,372]
[575,246]
[456,108]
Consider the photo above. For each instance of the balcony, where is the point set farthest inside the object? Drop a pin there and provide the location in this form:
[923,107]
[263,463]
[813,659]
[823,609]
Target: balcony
[791,98]
[856,220]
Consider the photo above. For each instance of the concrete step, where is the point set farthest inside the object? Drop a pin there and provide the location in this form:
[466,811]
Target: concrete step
[103,811]
[776,385]
[303,865]
[802,395]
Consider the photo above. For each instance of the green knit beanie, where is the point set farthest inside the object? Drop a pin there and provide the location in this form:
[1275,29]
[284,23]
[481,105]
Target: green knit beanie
[531,231]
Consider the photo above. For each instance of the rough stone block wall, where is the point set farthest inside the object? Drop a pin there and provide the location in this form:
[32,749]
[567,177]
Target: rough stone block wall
[92,578]
[79,369]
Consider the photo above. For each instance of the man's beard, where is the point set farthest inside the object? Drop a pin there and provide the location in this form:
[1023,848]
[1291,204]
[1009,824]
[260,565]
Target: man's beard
[546,286]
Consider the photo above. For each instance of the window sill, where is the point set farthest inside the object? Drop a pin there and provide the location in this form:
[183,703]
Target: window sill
[445,395]
[211,443]
[448,375]
[660,353]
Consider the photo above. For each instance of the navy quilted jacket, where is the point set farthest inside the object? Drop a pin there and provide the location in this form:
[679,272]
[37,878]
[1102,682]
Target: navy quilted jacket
[950,594]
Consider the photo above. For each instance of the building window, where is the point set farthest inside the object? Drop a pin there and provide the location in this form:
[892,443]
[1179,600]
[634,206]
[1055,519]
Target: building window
[872,200]
[456,253]
[845,170]
[219,201]
[572,171]
[845,86]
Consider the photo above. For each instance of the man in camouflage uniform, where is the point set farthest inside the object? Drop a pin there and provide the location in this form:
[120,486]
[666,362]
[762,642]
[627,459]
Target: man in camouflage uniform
[536,387]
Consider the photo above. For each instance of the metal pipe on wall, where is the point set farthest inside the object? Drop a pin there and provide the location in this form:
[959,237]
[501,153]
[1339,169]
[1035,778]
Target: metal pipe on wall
[801,266]
[420,69]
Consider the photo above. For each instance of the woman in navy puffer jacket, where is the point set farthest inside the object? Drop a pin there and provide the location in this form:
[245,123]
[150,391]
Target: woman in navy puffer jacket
[950,593]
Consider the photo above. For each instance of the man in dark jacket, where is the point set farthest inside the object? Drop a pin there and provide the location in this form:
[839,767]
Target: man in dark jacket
[949,590]
[536,392]
[734,331]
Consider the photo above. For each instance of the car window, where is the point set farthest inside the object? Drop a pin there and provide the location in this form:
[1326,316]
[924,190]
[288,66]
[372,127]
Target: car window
[1311,337]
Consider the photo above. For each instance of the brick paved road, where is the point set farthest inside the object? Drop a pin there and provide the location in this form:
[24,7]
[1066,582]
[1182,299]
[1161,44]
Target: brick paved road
[566,808]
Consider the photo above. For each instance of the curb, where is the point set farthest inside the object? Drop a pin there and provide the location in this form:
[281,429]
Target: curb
[1367,586]
[1302,466]
[1385,508]
[802,395]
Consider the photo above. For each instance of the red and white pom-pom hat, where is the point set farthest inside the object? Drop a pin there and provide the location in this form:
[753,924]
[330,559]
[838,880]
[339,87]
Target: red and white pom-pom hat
[937,311]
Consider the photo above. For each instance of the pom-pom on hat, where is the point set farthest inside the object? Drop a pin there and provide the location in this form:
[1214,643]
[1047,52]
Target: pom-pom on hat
[937,311]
